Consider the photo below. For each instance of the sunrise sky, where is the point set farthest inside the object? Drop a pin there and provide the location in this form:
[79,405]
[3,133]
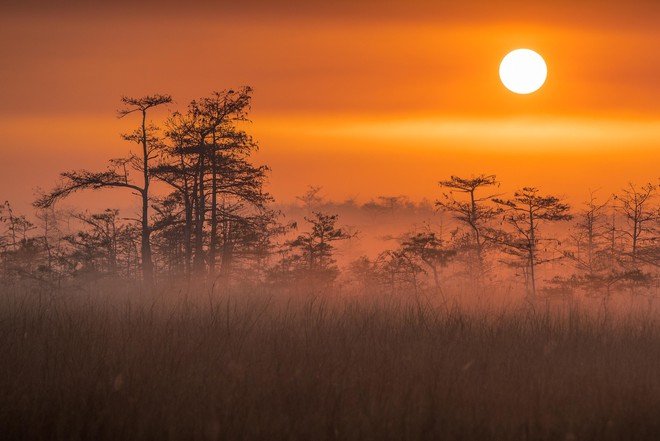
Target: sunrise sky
[378,98]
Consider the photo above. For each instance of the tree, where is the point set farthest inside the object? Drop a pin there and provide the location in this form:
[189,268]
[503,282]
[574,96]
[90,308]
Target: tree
[118,175]
[472,210]
[105,237]
[248,243]
[635,205]
[365,274]
[177,169]
[310,255]
[50,238]
[216,116]
[525,213]
[595,253]
[591,254]
[171,234]
[207,164]
[18,227]
[398,270]
[311,200]
[429,250]
[20,251]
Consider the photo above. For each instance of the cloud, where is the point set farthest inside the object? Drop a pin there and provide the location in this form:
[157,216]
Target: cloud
[585,12]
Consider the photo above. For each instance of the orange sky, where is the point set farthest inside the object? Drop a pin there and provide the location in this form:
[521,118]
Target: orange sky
[366,98]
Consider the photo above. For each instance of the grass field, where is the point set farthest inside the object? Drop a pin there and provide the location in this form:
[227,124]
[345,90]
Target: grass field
[268,368]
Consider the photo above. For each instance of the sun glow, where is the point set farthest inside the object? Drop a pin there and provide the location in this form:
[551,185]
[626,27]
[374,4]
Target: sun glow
[523,71]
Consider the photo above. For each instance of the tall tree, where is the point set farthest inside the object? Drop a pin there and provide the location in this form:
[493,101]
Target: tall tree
[525,212]
[593,253]
[208,165]
[177,169]
[635,205]
[118,175]
[464,201]
[590,237]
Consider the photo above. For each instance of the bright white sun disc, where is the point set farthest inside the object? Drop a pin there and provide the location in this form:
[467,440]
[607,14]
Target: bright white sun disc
[523,71]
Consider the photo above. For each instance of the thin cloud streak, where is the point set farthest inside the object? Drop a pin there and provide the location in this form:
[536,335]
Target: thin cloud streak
[547,133]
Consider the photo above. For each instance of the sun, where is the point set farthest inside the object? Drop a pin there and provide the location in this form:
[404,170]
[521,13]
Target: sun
[523,71]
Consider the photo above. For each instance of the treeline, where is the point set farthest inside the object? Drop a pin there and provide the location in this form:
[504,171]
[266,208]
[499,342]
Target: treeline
[218,224]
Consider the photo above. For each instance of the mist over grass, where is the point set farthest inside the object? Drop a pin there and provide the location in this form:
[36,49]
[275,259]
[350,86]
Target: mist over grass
[318,366]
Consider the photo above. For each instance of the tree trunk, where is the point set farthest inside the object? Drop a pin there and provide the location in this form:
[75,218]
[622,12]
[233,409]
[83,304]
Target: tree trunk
[198,262]
[436,279]
[187,235]
[147,262]
[532,252]
[635,234]
[188,219]
[227,252]
[213,242]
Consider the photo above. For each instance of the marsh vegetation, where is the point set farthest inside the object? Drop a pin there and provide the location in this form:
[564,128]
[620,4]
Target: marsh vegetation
[199,365]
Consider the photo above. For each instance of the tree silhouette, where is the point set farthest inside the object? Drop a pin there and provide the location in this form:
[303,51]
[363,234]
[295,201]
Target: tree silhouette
[429,250]
[19,250]
[207,165]
[118,174]
[311,200]
[101,246]
[310,255]
[216,221]
[596,255]
[473,211]
[525,212]
[398,270]
[635,204]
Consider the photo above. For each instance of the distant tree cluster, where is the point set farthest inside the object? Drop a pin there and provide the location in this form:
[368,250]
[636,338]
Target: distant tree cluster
[218,224]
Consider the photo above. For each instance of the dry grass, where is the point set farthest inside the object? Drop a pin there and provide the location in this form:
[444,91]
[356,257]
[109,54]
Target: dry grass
[268,369]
